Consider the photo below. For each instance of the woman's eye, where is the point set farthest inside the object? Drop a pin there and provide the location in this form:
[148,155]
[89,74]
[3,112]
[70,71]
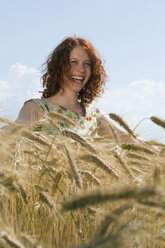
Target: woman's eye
[73,62]
[89,64]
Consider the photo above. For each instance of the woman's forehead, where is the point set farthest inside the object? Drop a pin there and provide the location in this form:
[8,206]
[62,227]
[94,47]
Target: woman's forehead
[79,52]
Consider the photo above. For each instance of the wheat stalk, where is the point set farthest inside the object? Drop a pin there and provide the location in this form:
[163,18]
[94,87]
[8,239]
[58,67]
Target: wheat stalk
[100,163]
[29,241]
[14,130]
[31,142]
[11,242]
[137,170]
[154,143]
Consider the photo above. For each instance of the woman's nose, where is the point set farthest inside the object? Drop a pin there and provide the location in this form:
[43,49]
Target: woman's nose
[81,67]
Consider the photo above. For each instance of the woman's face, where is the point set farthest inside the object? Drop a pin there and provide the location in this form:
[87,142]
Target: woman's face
[80,69]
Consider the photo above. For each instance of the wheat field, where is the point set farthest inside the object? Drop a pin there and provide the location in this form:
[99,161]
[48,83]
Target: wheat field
[60,189]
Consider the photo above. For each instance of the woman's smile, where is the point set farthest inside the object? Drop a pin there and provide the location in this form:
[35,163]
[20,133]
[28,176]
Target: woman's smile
[77,79]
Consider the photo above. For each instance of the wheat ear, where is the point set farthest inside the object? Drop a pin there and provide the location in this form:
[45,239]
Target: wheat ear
[90,177]
[101,196]
[158,121]
[122,123]
[110,218]
[26,239]
[73,167]
[100,163]
[43,198]
[8,183]
[11,242]
[33,137]
[79,139]
[136,156]
[23,193]
[154,143]
[60,117]
[54,123]
[10,123]
[132,147]
[124,165]
[156,176]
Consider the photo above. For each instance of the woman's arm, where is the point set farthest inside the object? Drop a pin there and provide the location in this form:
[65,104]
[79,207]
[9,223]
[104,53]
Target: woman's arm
[29,113]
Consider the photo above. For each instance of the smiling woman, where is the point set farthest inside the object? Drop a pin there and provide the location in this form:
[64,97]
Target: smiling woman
[73,77]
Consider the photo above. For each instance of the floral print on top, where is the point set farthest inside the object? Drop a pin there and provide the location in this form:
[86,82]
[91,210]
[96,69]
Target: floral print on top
[84,124]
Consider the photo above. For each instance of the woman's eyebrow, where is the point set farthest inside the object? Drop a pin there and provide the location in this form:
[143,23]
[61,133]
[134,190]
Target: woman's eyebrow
[78,59]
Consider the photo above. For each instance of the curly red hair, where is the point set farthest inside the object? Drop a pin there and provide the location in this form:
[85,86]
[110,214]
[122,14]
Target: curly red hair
[58,64]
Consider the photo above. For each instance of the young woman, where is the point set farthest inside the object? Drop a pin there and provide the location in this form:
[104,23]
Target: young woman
[73,77]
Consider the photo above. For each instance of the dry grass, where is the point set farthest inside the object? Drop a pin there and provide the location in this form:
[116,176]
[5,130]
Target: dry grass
[108,191]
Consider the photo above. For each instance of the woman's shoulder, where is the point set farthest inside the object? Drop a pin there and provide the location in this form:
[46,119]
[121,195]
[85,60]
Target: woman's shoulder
[29,112]
[39,102]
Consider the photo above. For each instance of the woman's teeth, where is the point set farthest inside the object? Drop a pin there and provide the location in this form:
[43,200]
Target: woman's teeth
[77,78]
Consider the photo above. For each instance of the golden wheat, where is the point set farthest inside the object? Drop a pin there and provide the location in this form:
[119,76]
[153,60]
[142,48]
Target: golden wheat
[73,167]
[122,123]
[10,123]
[158,121]
[44,198]
[108,211]
[100,163]
[35,138]
[11,242]
[132,147]
[124,165]
[107,195]
[137,157]
[110,218]
[61,117]
[79,139]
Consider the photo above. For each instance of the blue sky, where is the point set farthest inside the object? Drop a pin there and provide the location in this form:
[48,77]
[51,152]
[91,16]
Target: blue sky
[128,34]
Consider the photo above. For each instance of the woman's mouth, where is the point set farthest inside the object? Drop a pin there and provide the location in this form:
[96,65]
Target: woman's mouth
[77,79]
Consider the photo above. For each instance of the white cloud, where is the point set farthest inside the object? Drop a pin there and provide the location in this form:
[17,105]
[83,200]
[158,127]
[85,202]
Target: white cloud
[21,84]
[140,99]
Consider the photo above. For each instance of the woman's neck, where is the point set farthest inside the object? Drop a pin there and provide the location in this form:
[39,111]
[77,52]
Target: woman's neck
[68,100]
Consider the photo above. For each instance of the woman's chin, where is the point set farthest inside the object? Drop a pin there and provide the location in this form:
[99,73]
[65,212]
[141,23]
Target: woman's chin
[77,87]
